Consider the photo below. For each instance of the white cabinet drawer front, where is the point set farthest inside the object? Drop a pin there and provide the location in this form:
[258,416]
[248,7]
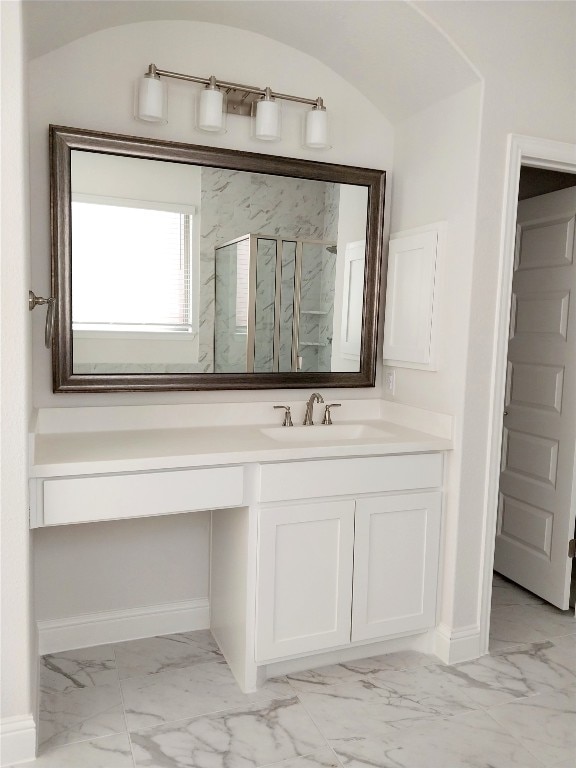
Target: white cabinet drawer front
[112,497]
[305,578]
[343,477]
[395,564]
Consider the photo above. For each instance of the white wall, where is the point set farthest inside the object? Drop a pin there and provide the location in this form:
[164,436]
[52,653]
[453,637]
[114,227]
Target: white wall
[18,641]
[155,560]
[435,178]
[76,86]
[525,51]
[528,89]
[79,87]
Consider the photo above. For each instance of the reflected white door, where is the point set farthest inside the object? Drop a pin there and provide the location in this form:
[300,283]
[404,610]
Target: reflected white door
[537,505]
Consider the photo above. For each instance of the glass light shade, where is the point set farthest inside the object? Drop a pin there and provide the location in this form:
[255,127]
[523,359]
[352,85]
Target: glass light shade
[211,110]
[268,119]
[152,100]
[316,129]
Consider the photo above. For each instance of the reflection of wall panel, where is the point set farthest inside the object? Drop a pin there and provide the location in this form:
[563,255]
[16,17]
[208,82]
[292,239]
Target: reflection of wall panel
[526,525]
[351,334]
[532,456]
[541,313]
[547,243]
[539,386]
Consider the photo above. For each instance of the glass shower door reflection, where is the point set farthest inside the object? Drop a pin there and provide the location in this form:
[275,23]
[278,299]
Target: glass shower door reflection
[264,327]
[274,305]
[287,350]
[232,304]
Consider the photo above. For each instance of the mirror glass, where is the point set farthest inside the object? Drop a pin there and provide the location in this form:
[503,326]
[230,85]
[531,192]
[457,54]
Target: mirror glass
[179,267]
[187,269]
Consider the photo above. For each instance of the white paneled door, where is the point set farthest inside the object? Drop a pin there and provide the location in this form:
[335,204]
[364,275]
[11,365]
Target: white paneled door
[537,503]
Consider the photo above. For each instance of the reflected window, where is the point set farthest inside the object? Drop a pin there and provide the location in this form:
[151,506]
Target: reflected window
[143,253]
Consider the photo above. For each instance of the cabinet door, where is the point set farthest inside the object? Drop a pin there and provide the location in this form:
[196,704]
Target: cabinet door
[304,578]
[395,564]
[410,294]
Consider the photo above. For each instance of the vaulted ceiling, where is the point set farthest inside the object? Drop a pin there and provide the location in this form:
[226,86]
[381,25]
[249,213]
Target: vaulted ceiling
[387,49]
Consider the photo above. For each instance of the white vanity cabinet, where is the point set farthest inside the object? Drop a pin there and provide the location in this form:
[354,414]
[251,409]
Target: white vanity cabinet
[347,569]
[318,552]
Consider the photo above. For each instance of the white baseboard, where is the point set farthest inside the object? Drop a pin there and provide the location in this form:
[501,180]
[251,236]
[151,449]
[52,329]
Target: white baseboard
[455,645]
[18,740]
[116,626]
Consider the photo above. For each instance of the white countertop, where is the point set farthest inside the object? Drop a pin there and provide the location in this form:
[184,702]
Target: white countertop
[103,452]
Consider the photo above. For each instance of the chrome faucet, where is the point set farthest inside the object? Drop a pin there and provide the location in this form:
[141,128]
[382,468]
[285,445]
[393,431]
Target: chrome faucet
[315,397]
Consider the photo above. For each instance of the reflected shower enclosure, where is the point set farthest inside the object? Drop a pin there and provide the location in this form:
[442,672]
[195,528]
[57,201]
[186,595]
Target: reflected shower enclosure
[274,305]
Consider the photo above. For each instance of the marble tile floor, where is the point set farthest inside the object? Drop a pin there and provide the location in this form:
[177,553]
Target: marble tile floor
[171,702]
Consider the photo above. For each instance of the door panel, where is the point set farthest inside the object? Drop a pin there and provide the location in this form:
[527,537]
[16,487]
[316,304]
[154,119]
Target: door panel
[537,386]
[547,236]
[533,457]
[545,312]
[530,527]
[537,505]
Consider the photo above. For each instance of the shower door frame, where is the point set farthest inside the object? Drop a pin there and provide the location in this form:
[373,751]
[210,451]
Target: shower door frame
[296,302]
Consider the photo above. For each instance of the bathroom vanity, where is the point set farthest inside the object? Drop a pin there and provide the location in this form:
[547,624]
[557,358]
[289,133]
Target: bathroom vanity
[324,538]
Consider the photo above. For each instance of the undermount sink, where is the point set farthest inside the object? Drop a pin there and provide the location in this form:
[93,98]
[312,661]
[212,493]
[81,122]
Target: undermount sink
[321,433]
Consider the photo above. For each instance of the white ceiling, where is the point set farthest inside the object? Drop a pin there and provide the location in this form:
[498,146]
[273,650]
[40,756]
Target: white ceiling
[385,48]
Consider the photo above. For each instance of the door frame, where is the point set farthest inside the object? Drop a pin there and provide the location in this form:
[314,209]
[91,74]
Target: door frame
[538,153]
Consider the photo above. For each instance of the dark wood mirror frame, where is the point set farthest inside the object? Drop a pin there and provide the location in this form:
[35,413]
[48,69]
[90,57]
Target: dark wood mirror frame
[64,140]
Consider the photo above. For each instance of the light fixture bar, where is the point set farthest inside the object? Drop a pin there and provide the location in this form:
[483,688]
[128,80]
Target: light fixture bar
[153,71]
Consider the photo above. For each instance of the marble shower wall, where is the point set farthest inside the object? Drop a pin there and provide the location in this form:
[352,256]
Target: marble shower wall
[332,207]
[236,203]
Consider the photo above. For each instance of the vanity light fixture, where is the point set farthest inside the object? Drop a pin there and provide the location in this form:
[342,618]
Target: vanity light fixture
[220,97]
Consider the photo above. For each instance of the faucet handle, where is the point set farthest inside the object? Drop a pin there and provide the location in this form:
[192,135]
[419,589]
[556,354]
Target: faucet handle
[327,415]
[287,415]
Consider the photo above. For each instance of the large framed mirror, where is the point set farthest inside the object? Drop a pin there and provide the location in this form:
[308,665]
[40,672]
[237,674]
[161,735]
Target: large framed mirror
[181,267]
